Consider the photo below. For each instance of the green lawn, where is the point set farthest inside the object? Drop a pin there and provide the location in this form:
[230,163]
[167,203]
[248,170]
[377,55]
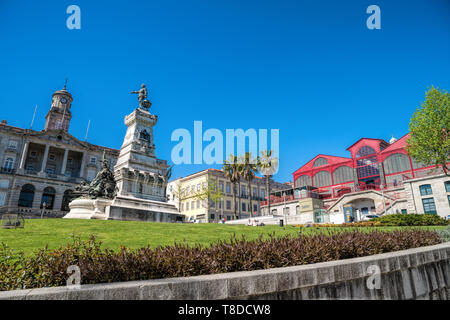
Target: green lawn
[55,232]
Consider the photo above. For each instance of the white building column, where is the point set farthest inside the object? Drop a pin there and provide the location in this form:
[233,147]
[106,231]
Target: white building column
[64,164]
[44,160]
[83,164]
[24,155]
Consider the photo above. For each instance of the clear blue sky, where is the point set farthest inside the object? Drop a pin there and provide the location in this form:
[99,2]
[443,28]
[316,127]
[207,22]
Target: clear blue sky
[309,68]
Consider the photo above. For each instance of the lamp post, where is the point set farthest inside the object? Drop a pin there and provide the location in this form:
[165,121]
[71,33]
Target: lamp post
[382,194]
[284,209]
[44,205]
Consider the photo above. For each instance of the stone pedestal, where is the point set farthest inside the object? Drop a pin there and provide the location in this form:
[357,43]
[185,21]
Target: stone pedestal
[88,209]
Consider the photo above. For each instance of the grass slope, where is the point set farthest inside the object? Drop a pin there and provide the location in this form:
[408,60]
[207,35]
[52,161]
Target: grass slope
[55,232]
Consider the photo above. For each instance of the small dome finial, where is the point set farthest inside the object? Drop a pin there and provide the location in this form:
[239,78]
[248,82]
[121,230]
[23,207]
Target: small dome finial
[65,84]
[392,140]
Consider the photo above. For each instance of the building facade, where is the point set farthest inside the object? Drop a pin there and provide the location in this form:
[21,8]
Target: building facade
[40,169]
[182,192]
[378,178]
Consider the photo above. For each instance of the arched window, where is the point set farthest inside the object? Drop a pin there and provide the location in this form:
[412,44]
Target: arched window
[425,190]
[397,162]
[26,196]
[320,162]
[343,174]
[67,197]
[322,179]
[48,197]
[303,181]
[365,151]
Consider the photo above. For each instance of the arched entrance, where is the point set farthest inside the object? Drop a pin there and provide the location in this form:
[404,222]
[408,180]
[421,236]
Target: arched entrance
[357,208]
[26,196]
[48,197]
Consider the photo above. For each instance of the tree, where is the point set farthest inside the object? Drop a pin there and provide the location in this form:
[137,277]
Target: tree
[267,166]
[430,130]
[179,194]
[249,170]
[211,193]
[232,169]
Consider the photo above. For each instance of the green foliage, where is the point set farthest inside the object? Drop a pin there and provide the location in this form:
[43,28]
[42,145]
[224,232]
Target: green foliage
[97,265]
[429,129]
[411,220]
[444,234]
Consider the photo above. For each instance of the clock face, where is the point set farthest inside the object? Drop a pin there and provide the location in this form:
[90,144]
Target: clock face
[63,100]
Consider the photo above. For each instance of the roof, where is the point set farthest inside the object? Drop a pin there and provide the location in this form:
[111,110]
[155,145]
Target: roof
[381,140]
[399,144]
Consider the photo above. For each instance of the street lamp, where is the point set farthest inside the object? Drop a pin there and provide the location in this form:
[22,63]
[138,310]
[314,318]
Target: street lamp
[382,194]
[44,205]
[284,209]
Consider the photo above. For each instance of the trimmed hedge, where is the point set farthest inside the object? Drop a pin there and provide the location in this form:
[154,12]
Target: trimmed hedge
[411,220]
[49,267]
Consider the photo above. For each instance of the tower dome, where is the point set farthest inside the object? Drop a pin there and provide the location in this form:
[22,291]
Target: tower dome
[392,140]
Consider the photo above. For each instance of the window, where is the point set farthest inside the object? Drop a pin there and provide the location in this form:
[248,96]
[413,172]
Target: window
[425,190]
[365,151]
[404,211]
[428,206]
[51,157]
[4,184]
[254,193]
[255,208]
[320,162]
[343,174]
[243,191]
[322,179]
[397,162]
[263,193]
[447,186]
[274,211]
[91,173]
[69,160]
[286,211]
[12,144]
[182,207]
[297,209]
[228,187]
[448,198]
[204,185]
[198,187]
[221,186]
[33,154]
[198,204]
[2,198]
[228,205]
[212,216]
[192,189]
[303,181]
[243,206]
[187,206]
[9,163]
[367,167]
[26,196]
[192,205]
[93,160]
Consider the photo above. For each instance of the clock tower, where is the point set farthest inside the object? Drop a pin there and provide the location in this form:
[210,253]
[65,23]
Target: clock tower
[59,115]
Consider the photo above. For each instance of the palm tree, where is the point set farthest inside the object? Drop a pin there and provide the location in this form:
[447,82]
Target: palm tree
[267,166]
[232,169]
[249,170]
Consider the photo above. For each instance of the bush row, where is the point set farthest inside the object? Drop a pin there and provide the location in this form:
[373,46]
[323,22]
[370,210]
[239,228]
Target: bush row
[49,267]
[392,220]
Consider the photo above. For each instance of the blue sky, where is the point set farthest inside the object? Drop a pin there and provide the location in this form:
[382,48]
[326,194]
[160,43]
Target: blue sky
[309,68]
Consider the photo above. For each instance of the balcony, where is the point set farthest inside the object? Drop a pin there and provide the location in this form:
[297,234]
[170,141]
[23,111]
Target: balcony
[7,170]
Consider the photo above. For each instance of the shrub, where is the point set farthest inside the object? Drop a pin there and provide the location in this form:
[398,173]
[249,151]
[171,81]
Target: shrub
[411,220]
[48,267]
[444,234]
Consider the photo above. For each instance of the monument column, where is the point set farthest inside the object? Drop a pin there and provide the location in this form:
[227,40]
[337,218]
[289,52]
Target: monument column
[64,164]
[44,160]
